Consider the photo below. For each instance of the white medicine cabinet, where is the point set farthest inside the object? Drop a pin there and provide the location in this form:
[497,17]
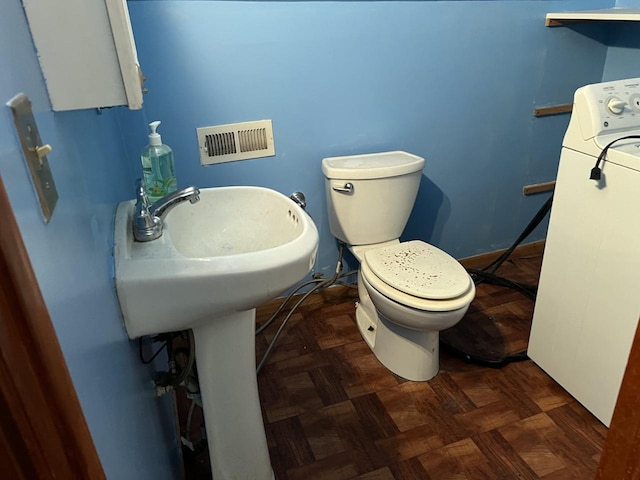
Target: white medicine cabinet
[87,53]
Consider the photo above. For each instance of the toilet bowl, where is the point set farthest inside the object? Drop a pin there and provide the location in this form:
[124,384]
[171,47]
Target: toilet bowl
[403,305]
[409,291]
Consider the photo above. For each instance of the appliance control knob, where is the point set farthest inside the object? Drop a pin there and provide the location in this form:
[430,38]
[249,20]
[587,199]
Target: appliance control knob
[615,105]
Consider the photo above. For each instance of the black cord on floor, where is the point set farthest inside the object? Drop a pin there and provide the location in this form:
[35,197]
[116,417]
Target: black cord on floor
[486,362]
[487,275]
[480,276]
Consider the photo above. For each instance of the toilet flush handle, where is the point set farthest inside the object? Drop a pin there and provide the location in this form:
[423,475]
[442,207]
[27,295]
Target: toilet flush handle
[348,188]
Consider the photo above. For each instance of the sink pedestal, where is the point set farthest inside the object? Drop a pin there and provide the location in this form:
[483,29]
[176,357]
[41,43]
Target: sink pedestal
[225,354]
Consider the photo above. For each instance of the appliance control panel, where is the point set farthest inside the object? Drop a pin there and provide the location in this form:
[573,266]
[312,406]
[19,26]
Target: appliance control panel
[608,108]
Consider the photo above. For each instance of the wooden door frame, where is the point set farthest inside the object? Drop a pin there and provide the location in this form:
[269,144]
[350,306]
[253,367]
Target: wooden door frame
[43,433]
[621,454]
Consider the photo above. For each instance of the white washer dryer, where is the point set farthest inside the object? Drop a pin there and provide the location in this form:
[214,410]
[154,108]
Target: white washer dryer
[588,301]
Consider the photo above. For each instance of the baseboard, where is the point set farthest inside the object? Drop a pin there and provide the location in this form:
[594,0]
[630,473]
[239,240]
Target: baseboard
[533,249]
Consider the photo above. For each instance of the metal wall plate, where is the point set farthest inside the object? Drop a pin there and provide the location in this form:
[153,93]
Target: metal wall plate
[35,154]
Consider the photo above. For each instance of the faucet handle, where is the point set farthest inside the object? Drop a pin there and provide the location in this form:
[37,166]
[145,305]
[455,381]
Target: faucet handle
[141,194]
[146,226]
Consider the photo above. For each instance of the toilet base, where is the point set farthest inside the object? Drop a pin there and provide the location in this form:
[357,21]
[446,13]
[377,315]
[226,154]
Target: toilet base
[410,354]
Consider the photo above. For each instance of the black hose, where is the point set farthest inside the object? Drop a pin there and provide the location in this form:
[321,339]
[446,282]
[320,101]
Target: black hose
[480,276]
[486,362]
[535,221]
[147,361]
[487,275]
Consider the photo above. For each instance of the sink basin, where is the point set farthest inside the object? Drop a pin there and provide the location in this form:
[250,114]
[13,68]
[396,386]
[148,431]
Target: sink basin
[233,250]
[216,261]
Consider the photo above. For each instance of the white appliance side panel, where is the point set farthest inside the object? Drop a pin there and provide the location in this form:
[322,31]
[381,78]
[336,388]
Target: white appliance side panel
[588,300]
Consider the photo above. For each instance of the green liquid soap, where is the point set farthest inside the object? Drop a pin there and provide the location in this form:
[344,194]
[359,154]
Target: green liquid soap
[158,170]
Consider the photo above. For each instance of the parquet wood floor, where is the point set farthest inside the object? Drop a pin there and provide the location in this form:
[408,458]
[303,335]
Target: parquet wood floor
[333,412]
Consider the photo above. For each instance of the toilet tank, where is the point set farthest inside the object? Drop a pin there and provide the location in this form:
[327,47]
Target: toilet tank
[377,206]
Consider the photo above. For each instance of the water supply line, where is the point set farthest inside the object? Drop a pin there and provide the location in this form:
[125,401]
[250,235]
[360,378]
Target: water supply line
[167,380]
[319,284]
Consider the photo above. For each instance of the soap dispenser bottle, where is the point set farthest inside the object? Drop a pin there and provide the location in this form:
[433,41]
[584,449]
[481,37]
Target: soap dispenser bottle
[158,171]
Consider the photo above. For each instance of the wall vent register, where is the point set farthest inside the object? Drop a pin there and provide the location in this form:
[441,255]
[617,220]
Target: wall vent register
[235,141]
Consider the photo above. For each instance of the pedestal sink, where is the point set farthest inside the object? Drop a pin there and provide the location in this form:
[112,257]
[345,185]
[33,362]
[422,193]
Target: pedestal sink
[216,261]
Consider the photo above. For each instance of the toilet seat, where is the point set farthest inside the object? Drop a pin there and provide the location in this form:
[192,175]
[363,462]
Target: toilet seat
[418,275]
[419,269]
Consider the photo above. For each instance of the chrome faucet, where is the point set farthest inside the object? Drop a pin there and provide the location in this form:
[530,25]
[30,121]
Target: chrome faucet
[148,219]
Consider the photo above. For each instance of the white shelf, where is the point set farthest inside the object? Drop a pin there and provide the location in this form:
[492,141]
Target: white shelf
[607,14]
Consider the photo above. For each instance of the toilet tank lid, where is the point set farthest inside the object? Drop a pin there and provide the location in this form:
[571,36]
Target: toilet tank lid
[371,165]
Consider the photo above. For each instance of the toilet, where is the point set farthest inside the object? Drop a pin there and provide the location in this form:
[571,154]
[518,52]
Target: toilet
[408,291]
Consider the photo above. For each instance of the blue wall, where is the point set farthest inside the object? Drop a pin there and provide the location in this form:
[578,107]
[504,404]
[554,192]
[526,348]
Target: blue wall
[133,430]
[623,55]
[455,82]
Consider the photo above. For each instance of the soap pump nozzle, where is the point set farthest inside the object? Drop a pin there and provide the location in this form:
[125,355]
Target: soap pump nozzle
[154,138]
